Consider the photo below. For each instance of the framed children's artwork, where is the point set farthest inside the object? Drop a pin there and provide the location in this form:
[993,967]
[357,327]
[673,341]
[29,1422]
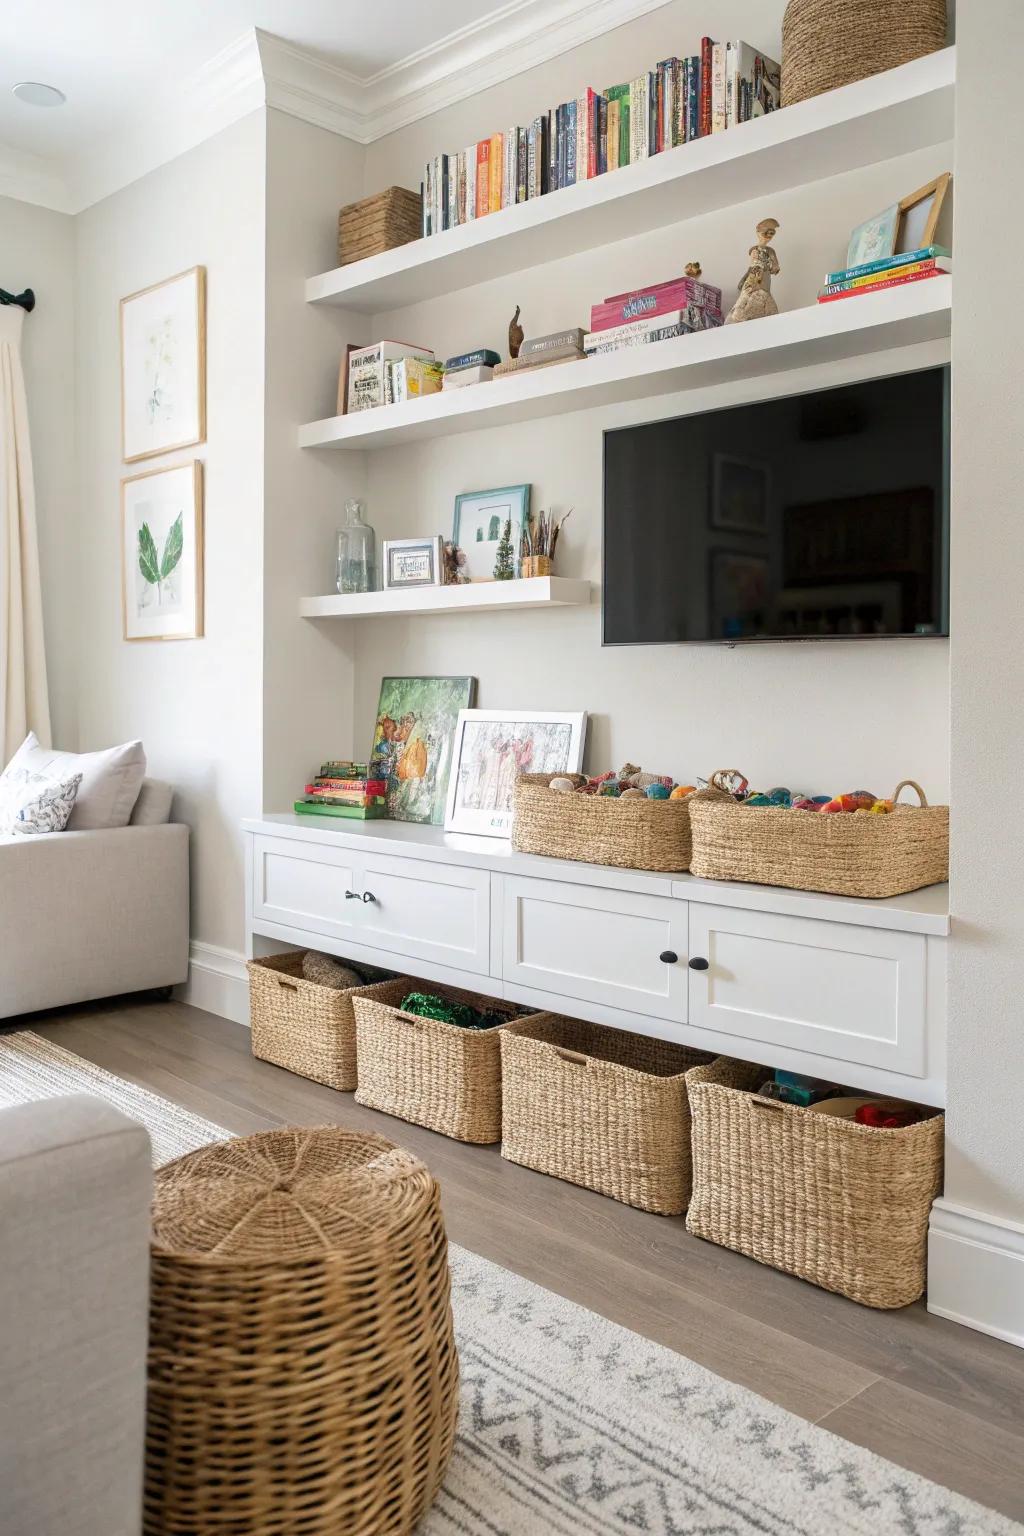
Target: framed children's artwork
[875,238]
[163,366]
[919,216]
[413,562]
[162,553]
[492,748]
[740,493]
[412,742]
[480,517]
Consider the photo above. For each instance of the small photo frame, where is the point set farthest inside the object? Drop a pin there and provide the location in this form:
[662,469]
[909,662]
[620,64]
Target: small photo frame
[480,518]
[874,239]
[919,216]
[163,366]
[492,748]
[162,553]
[740,494]
[413,563]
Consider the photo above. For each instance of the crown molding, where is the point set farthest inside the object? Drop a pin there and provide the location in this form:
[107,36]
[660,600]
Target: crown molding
[261,70]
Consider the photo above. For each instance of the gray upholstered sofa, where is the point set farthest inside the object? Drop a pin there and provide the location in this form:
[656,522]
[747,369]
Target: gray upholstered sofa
[94,914]
[75,1188]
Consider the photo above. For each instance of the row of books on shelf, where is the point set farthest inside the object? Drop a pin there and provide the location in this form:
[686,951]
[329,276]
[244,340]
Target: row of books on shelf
[598,131]
[886,272]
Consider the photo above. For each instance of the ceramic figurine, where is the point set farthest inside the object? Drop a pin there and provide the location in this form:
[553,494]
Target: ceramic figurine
[753,303]
[763,256]
[516,335]
[692,269]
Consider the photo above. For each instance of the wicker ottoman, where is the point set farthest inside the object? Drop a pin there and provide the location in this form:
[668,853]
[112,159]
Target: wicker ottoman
[302,1370]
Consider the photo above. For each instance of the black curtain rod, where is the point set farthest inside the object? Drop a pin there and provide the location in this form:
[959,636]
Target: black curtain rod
[27,300]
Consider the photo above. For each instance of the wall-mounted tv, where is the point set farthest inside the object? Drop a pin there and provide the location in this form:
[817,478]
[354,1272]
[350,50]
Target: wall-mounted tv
[815,516]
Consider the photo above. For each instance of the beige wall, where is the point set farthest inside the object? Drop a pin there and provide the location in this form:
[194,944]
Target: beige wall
[37,250]
[197,704]
[985,1146]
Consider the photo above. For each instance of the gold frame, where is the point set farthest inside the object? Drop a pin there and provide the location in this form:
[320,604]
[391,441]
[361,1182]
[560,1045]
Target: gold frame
[939,187]
[197,507]
[191,442]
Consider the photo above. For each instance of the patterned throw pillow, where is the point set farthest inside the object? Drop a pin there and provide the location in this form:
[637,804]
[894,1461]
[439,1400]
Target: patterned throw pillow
[30,802]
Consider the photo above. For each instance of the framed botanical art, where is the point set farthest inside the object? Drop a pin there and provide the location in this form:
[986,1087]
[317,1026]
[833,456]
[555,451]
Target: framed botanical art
[162,553]
[163,366]
[492,748]
[480,518]
[412,742]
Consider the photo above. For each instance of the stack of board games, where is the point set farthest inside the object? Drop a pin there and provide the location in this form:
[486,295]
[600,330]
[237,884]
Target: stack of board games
[679,100]
[343,788]
[887,272]
[470,368]
[675,308]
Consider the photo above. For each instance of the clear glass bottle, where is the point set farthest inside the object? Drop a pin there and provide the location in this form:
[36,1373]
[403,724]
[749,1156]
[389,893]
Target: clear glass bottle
[357,552]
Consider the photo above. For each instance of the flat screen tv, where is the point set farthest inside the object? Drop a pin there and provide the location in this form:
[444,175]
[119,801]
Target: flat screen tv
[812,516]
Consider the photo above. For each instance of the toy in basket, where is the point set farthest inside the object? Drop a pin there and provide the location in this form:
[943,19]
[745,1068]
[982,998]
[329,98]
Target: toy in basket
[632,819]
[852,844]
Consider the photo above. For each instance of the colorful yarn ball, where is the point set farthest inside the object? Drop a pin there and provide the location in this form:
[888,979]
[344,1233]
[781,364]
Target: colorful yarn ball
[757,801]
[780,796]
[562,784]
[803,804]
[657,791]
[681,791]
[612,788]
[633,794]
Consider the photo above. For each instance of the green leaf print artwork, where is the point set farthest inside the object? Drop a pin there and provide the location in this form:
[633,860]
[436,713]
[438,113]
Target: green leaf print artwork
[157,568]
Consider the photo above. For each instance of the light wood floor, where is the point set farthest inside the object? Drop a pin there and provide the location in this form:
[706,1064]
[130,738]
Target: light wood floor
[926,1393]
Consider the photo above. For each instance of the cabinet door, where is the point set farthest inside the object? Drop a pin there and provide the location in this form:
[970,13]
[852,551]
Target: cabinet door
[426,911]
[843,992]
[602,946]
[303,885]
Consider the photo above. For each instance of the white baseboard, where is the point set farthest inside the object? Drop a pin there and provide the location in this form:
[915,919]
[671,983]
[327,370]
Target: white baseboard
[217,981]
[976,1270]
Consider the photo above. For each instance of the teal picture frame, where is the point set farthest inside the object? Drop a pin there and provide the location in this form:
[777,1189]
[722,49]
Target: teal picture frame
[477,515]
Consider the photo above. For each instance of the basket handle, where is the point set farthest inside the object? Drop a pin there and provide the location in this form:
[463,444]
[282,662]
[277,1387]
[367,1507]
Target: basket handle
[284,981]
[758,1103]
[575,1057]
[909,784]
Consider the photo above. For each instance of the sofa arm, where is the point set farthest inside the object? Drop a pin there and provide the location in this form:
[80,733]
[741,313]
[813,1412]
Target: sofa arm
[92,914]
[75,1189]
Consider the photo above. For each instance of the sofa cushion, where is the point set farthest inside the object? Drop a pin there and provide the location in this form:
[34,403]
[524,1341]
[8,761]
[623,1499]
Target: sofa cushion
[153,807]
[110,780]
[35,802]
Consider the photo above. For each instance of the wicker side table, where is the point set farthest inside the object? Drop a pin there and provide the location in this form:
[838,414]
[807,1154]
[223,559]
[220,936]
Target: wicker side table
[302,1371]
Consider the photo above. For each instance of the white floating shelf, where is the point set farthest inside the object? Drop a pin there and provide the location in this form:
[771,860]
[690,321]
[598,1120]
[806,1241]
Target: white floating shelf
[473,597]
[875,119]
[820,333]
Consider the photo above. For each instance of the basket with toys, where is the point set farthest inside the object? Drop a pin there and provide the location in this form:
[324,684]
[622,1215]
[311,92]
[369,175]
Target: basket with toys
[631,819]
[854,844]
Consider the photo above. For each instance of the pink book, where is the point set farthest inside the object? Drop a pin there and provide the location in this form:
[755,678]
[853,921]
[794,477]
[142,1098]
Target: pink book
[661,299]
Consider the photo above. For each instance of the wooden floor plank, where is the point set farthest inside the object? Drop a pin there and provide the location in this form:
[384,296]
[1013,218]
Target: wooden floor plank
[819,1355]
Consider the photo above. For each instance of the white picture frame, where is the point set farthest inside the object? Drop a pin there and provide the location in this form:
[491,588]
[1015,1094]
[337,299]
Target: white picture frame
[492,747]
[163,367]
[413,563]
[162,553]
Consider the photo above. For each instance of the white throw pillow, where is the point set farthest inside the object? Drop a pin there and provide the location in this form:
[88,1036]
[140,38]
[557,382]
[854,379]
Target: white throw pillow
[110,780]
[32,802]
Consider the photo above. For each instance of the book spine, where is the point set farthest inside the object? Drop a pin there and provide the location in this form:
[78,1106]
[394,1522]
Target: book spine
[663,333]
[679,98]
[532,189]
[652,112]
[693,101]
[602,135]
[660,104]
[495,163]
[483,178]
[925,253]
[613,134]
[718,88]
[570,144]
[639,115]
[671,295]
[452,191]
[633,328]
[888,282]
[874,279]
[730,86]
[582,148]
[704,88]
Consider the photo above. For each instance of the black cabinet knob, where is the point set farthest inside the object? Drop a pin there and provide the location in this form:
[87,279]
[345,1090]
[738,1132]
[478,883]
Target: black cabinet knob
[369,896]
[698,963]
[669,956]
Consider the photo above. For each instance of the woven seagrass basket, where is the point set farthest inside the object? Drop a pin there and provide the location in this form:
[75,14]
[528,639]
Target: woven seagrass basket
[599,1107]
[426,1070]
[842,1205]
[597,829]
[379,223]
[302,1364]
[300,1025]
[825,44]
[852,854]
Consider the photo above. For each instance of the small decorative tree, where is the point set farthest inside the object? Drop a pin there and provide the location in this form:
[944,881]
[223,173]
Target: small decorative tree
[504,565]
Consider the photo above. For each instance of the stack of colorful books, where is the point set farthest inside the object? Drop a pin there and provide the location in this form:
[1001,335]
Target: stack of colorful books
[343,788]
[887,272]
[679,100]
[675,308]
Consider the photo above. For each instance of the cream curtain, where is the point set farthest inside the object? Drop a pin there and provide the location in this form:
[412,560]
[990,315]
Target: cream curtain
[23,700]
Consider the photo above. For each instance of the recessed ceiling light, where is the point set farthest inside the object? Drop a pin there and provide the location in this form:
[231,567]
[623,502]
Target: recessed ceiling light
[38,95]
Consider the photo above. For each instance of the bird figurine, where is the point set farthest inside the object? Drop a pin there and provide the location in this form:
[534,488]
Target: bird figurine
[516,335]
[753,302]
[692,269]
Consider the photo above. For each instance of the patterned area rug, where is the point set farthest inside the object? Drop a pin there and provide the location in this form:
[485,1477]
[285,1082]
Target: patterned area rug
[572,1426]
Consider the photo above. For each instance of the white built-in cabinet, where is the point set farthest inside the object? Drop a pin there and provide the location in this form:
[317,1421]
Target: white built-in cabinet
[847,989]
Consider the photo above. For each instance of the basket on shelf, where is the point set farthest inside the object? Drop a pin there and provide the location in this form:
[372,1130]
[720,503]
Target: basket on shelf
[427,1070]
[600,829]
[600,1107]
[303,1026]
[825,45]
[378,223]
[848,854]
[840,1204]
